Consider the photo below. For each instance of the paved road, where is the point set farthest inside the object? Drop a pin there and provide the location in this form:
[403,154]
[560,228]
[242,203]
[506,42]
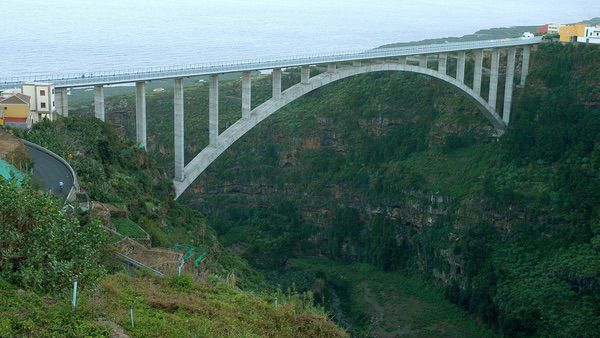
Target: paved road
[50,171]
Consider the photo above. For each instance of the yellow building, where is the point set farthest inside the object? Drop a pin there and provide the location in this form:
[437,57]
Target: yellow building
[569,33]
[14,111]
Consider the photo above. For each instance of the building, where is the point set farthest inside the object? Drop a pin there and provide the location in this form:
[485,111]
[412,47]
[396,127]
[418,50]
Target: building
[590,35]
[42,100]
[542,29]
[569,33]
[553,28]
[14,111]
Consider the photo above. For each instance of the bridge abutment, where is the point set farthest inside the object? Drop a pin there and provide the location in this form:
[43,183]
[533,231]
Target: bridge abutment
[277,83]
[460,67]
[246,94]
[179,131]
[477,71]
[442,63]
[99,102]
[62,101]
[423,61]
[525,64]
[140,114]
[304,74]
[493,93]
[508,89]
[213,109]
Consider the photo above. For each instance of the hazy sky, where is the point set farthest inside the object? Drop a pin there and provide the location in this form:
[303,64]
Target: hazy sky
[109,34]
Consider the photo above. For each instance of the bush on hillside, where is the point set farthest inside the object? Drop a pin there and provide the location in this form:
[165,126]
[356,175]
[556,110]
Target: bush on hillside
[42,248]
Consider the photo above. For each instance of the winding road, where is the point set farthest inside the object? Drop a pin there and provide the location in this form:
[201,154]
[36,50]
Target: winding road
[50,171]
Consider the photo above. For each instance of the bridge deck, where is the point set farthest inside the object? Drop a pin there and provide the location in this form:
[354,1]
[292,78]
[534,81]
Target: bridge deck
[70,81]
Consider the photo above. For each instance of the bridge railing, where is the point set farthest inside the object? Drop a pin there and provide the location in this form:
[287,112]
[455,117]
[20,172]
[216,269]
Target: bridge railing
[142,74]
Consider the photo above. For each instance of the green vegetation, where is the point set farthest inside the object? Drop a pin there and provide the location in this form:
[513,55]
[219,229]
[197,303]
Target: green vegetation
[41,248]
[390,303]
[128,228]
[172,307]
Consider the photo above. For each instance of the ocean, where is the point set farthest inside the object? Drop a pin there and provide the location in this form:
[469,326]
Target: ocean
[76,36]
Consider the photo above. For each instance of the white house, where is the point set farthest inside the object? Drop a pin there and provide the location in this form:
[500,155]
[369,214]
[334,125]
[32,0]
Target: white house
[590,35]
[42,103]
[553,28]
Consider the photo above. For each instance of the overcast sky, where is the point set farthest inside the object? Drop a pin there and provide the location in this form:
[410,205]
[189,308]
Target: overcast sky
[107,34]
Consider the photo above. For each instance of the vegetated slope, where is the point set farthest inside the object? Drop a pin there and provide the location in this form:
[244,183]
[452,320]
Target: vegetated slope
[43,249]
[173,307]
[402,172]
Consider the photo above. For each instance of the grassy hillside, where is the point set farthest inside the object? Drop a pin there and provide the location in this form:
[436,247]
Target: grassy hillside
[42,249]
[174,307]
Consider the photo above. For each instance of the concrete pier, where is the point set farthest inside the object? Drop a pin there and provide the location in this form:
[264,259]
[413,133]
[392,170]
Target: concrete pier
[356,63]
[493,93]
[423,61]
[331,68]
[402,60]
[508,89]
[246,94]
[277,83]
[140,113]
[477,71]
[99,102]
[525,64]
[179,131]
[62,101]
[213,109]
[304,74]
[460,67]
[442,63]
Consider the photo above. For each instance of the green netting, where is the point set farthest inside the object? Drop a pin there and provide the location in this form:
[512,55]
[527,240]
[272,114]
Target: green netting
[190,250]
[9,172]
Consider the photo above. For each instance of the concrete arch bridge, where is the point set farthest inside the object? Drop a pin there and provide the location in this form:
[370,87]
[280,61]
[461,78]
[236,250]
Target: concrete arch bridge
[414,59]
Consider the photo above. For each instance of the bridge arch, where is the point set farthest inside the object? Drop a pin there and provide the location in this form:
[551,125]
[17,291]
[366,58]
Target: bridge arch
[271,106]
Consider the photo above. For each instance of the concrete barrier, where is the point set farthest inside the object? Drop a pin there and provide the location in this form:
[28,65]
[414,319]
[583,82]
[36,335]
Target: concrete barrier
[75,186]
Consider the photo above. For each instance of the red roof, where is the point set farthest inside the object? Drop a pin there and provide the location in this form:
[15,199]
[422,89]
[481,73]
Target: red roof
[15,119]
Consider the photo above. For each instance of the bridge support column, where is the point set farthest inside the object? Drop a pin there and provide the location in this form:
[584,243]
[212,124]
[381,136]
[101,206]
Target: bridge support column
[423,61]
[179,131]
[460,67]
[508,89]
[356,63]
[331,68]
[478,71]
[525,64]
[304,74]
[140,113]
[62,101]
[213,109]
[246,94]
[277,83]
[402,60]
[99,102]
[442,63]
[493,93]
